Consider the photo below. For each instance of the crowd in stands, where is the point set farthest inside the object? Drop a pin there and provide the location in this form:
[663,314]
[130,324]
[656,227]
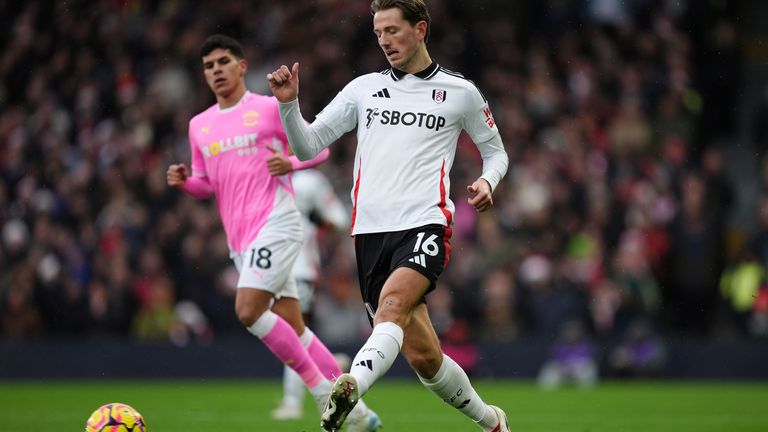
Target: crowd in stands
[614,213]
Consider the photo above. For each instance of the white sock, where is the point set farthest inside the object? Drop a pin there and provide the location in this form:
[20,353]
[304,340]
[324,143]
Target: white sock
[359,411]
[263,325]
[293,388]
[306,337]
[377,355]
[320,394]
[452,385]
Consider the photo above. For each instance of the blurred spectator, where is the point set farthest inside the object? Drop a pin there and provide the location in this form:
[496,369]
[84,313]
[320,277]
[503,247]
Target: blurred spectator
[549,303]
[571,360]
[339,303]
[20,319]
[759,324]
[606,300]
[741,285]
[638,289]
[695,256]
[111,308]
[640,354]
[758,243]
[721,53]
[759,127]
[155,320]
[499,310]
[457,343]
[721,198]
[190,325]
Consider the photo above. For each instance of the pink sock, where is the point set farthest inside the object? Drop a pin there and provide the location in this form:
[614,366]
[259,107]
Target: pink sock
[282,340]
[323,358]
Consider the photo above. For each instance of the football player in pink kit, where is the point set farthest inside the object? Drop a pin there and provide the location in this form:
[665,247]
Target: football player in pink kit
[236,147]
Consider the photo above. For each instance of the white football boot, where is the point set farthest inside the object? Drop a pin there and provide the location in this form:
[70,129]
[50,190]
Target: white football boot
[363,419]
[340,403]
[503,425]
[288,412]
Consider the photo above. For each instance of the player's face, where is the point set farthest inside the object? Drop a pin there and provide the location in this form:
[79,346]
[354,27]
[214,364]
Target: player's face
[399,40]
[223,71]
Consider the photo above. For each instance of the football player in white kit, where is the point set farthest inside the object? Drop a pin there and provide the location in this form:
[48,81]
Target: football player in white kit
[321,209]
[408,119]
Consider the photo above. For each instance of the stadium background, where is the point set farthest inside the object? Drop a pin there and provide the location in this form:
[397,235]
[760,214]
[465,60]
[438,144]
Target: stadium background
[636,200]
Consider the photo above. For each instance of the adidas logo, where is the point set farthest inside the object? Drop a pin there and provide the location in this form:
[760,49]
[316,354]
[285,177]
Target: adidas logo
[365,363]
[418,259]
[382,93]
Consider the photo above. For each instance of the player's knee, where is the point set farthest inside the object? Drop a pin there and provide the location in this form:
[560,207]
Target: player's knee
[392,308]
[246,315]
[250,305]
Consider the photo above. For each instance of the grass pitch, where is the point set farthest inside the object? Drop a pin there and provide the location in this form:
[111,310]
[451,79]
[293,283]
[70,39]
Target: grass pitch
[243,406]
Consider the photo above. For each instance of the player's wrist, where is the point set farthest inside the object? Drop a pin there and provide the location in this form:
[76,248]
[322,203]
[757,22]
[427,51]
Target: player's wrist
[294,101]
[490,186]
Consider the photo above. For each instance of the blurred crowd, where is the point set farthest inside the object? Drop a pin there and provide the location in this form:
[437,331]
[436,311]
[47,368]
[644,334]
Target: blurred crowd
[614,214]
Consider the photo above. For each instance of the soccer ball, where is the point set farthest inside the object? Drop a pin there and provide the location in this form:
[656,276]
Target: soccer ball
[115,417]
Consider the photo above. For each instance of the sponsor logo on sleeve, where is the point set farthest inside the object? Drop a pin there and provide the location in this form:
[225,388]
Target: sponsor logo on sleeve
[489,117]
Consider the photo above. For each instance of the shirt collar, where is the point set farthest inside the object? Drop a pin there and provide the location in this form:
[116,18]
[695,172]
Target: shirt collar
[425,74]
[233,107]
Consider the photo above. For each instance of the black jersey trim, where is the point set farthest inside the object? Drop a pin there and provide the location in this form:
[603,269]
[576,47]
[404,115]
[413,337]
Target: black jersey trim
[450,72]
[459,75]
[434,71]
[425,74]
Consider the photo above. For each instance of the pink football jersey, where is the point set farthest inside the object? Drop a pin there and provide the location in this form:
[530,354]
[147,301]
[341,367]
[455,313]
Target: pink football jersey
[229,150]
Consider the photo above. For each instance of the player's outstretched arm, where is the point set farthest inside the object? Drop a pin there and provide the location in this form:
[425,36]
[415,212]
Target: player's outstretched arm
[305,141]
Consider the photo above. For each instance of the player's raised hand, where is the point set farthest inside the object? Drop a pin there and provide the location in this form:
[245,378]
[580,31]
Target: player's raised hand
[177,175]
[480,196]
[285,83]
[278,164]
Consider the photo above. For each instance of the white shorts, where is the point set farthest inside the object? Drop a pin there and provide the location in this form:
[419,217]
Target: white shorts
[306,290]
[268,261]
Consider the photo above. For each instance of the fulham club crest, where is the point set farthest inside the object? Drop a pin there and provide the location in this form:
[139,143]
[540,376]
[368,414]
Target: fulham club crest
[438,95]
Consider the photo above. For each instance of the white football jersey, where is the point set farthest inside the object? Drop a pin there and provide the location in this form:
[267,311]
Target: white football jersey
[314,194]
[407,131]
